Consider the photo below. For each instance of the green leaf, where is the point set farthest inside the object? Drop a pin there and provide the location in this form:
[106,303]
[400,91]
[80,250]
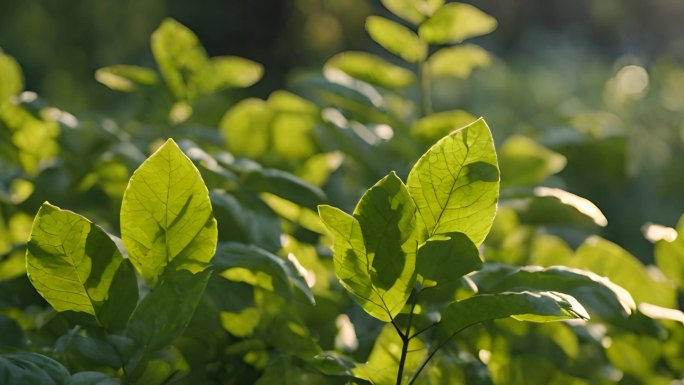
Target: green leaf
[608,259]
[525,162]
[91,378]
[455,184]
[371,69]
[598,293]
[435,126]
[225,72]
[164,313]
[669,255]
[456,22]
[458,61]
[396,38]
[165,367]
[75,266]
[12,335]
[413,11]
[180,56]
[166,215]
[126,78]
[446,258]
[375,250]
[542,306]
[285,185]
[547,206]
[246,127]
[11,82]
[258,267]
[32,368]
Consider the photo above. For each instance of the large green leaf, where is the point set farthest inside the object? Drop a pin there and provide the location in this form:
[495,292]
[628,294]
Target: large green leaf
[456,22]
[75,266]
[598,293]
[458,61]
[246,127]
[164,313]
[541,306]
[608,259]
[126,78]
[371,69]
[11,82]
[455,184]
[258,267]
[166,215]
[413,11]
[375,250]
[669,255]
[446,258]
[180,56]
[396,38]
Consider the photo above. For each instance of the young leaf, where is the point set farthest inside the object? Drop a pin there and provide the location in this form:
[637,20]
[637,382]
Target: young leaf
[455,184]
[371,69]
[434,127]
[246,127]
[126,78]
[75,266]
[413,11]
[165,312]
[228,72]
[456,22]
[180,56]
[258,267]
[375,250]
[525,306]
[446,258]
[166,215]
[396,38]
[458,61]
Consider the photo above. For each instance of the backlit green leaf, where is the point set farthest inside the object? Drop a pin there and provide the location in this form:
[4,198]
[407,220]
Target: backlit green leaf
[126,78]
[246,127]
[446,258]
[180,56]
[458,61]
[435,126]
[455,184]
[375,250]
[525,306]
[396,38]
[413,11]
[166,215]
[456,22]
[75,266]
[11,82]
[371,69]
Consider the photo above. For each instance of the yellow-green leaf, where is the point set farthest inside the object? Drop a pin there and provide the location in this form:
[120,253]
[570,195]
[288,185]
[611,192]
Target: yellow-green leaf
[413,11]
[458,61]
[126,78]
[456,22]
[11,82]
[76,267]
[396,38]
[455,184]
[166,215]
[371,69]
[229,72]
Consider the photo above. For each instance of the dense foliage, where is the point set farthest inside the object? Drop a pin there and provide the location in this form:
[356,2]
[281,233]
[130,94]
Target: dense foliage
[226,254]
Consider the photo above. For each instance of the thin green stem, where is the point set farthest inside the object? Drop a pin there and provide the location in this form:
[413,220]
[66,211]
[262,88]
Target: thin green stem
[424,87]
[432,354]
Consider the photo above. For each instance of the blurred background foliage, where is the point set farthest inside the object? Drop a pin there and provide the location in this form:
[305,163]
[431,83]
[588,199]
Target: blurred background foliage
[608,72]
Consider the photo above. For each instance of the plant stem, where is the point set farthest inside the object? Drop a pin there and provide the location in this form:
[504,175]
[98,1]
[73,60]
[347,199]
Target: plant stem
[404,342]
[424,87]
